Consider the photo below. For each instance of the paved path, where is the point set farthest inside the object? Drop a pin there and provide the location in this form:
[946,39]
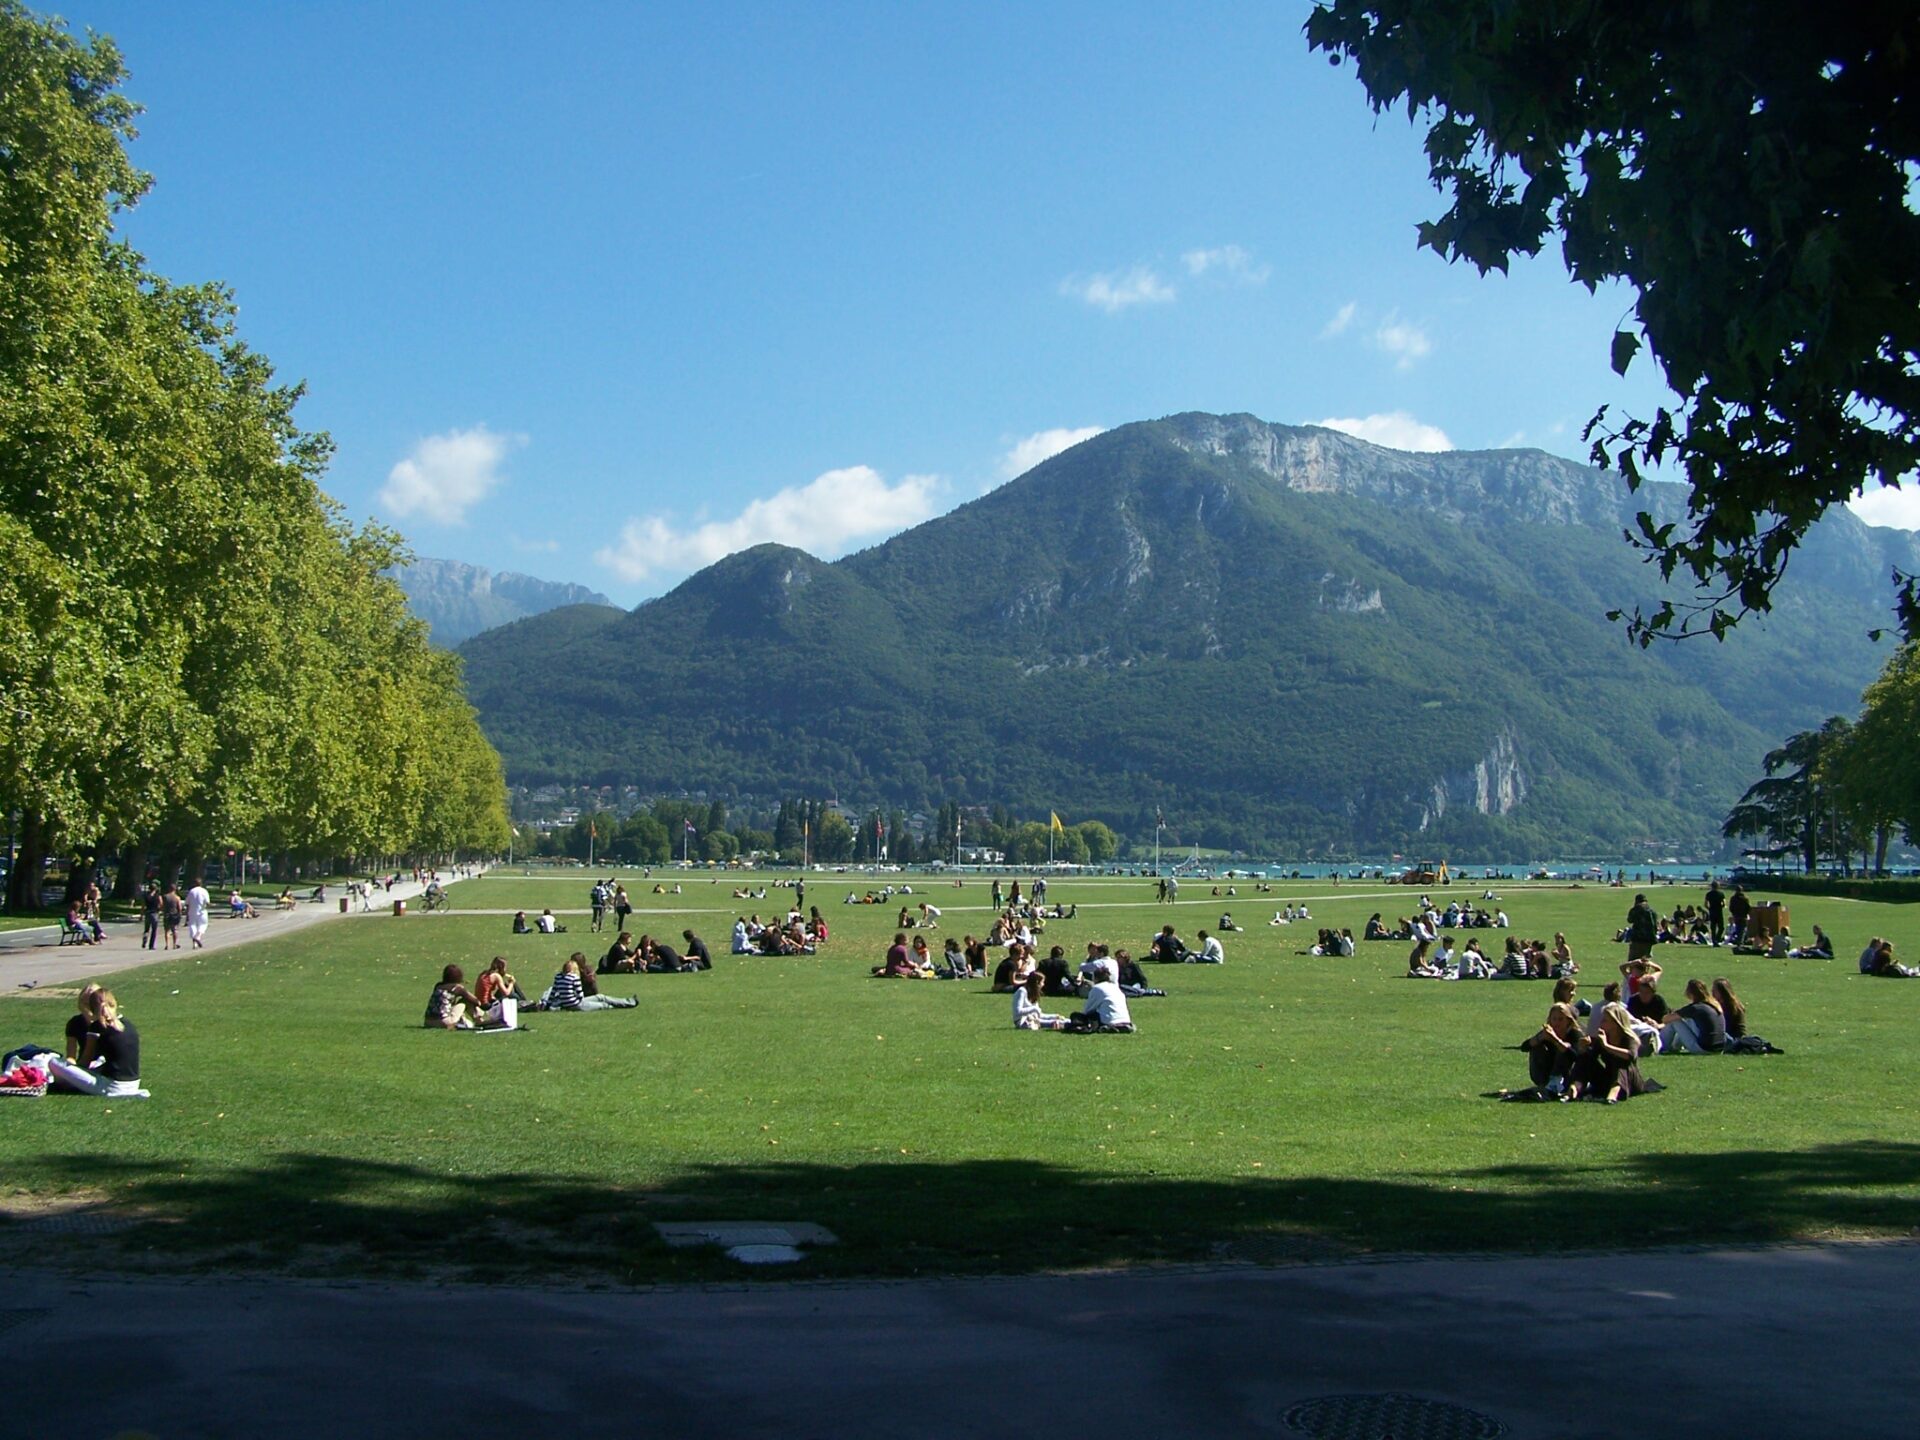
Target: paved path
[36,957]
[1740,1343]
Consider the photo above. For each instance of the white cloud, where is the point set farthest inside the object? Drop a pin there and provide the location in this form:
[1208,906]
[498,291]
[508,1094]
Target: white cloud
[1233,261]
[1406,342]
[447,475]
[1342,318]
[1043,445]
[822,517]
[1119,290]
[1887,506]
[1396,430]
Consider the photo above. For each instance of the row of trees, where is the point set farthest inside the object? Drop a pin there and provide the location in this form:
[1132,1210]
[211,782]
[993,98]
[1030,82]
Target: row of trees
[1846,788]
[196,650]
[812,829]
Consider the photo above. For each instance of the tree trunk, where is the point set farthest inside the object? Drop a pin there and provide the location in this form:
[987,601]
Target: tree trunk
[80,866]
[23,882]
[1881,834]
[126,884]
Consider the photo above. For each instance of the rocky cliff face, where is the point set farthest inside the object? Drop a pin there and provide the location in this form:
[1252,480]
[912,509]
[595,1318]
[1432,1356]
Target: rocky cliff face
[459,601]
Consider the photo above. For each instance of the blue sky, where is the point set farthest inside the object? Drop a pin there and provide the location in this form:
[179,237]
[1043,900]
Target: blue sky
[600,292]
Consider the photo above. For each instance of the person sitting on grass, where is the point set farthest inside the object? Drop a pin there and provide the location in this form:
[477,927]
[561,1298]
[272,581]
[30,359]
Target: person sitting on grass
[520,926]
[1611,1069]
[1697,1027]
[1562,955]
[1821,947]
[698,956]
[1012,972]
[1027,1014]
[548,925]
[1887,968]
[1376,930]
[899,963]
[1419,965]
[109,1066]
[496,984]
[1167,947]
[1553,1048]
[622,957]
[569,992]
[1474,964]
[1210,951]
[1105,1010]
[452,1006]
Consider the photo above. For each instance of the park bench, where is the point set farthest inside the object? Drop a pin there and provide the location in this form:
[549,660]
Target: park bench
[71,934]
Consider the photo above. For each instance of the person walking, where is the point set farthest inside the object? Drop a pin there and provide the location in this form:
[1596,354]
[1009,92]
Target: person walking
[150,916]
[1716,912]
[197,902]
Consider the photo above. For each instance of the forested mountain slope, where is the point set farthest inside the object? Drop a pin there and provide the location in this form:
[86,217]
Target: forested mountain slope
[1283,636]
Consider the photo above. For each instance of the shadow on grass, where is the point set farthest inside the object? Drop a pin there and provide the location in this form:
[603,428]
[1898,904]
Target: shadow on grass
[326,1215]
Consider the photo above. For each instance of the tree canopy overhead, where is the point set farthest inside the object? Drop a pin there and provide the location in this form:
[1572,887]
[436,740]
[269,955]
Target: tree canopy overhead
[1750,172]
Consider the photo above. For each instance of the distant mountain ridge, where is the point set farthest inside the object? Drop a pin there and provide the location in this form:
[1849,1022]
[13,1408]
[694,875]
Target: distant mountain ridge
[458,600]
[1291,637]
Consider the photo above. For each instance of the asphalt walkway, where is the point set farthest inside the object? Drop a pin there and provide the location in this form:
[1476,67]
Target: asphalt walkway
[31,958]
[1789,1341]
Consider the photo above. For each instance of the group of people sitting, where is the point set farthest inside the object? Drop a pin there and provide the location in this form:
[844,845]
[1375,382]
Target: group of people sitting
[1331,942]
[1429,921]
[546,924]
[1877,959]
[496,1000]
[647,956]
[100,1057]
[1438,959]
[1290,914]
[1588,1052]
[791,936]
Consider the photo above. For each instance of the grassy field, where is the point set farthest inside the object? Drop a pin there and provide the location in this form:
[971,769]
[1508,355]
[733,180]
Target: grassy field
[1280,1105]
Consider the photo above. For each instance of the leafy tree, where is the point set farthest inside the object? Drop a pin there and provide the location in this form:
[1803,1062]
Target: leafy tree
[833,840]
[1794,807]
[1100,841]
[1749,174]
[1878,769]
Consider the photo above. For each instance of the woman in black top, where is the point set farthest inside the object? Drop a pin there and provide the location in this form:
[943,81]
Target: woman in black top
[82,1024]
[110,1064]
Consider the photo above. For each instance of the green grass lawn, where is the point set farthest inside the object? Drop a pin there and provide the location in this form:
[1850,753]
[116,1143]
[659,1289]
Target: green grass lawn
[1278,1105]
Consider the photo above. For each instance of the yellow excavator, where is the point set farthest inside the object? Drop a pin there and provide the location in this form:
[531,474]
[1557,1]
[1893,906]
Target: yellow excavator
[1427,872]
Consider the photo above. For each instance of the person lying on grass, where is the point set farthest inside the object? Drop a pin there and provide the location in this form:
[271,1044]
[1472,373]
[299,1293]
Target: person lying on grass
[452,1006]
[1027,1014]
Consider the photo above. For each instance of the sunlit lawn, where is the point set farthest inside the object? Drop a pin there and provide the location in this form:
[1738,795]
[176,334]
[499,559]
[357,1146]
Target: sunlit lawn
[1278,1105]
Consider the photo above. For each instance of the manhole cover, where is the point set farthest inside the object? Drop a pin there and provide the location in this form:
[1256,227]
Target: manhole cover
[1389,1417]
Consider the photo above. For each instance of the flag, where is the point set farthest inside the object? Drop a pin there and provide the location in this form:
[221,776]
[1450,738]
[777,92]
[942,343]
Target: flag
[593,830]
[1058,827]
[689,825]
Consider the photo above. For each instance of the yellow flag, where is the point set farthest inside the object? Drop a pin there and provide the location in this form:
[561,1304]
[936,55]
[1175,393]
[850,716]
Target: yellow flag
[1056,822]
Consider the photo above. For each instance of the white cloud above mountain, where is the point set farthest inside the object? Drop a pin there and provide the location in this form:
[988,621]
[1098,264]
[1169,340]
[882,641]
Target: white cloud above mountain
[1406,342]
[1396,429]
[445,476]
[825,517]
[1028,452]
[1885,505]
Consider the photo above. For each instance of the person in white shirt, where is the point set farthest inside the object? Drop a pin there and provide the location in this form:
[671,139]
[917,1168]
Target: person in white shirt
[742,944]
[1210,951]
[929,916]
[1027,1014]
[548,925]
[1106,1007]
[1444,957]
[197,902]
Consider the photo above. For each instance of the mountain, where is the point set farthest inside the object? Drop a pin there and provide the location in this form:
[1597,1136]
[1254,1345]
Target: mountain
[458,601]
[1283,636]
